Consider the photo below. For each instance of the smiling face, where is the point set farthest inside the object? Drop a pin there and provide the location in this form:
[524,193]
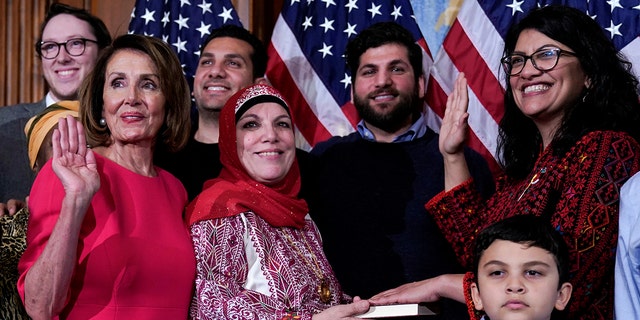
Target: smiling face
[516,281]
[543,96]
[133,100]
[65,73]
[224,68]
[265,142]
[385,90]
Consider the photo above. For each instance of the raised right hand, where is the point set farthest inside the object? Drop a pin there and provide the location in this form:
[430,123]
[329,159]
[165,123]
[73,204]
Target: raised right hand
[74,163]
[454,128]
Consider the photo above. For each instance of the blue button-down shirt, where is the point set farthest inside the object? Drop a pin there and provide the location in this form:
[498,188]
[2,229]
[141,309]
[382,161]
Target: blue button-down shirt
[417,130]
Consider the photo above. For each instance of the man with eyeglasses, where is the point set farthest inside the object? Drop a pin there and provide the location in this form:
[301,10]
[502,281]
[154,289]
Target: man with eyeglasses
[68,46]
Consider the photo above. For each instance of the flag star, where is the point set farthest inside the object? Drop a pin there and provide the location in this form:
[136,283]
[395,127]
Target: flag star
[346,80]
[182,22]
[614,4]
[148,16]
[309,1]
[396,12]
[636,7]
[328,3]
[351,29]
[180,45]
[166,19]
[374,10]
[165,38]
[515,6]
[183,2]
[133,13]
[226,14]
[197,53]
[307,23]
[351,5]
[328,24]
[206,7]
[326,50]
[204,29]
[294,1]
[614,29]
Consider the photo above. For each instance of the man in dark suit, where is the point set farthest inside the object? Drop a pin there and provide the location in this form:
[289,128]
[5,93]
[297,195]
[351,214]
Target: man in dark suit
[68,46]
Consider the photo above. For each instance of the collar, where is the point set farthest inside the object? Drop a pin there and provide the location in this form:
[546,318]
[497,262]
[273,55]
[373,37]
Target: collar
[49,99]
[415,131]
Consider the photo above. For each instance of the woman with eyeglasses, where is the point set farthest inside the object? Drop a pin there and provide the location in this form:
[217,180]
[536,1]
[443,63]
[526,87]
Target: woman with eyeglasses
[567,143]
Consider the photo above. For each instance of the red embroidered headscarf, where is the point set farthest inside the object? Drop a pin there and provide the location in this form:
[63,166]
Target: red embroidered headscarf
[234,191]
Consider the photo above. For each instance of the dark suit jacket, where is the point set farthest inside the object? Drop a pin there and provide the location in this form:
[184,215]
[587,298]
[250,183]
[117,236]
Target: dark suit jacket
[16,176]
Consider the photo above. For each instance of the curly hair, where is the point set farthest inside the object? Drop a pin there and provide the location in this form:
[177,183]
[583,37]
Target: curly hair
[377,35]
[174,133]
[609,103]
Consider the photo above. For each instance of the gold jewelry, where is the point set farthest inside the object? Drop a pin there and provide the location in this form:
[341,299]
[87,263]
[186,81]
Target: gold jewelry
[324,290]
[535,179]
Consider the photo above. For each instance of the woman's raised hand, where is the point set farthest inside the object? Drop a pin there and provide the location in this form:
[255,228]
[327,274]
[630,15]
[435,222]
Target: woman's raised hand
[74,163]
[454,129]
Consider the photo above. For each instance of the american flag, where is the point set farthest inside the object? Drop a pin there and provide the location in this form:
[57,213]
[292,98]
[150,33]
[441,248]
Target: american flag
[182,25]
[306,52]
[309,38]
[307,65]
[474,46]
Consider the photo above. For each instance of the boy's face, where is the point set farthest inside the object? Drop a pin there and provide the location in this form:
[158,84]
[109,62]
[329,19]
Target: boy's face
[515,281]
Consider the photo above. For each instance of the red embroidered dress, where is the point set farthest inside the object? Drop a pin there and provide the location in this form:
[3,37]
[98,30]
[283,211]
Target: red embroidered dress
[248,269]
[579,192]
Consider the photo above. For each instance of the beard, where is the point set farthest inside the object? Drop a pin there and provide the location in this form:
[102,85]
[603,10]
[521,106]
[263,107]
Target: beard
[393,117]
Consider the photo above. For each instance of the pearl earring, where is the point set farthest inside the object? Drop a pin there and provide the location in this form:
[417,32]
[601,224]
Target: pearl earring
[103,122]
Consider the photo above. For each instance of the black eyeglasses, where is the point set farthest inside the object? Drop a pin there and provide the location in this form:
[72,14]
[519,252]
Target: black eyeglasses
[75,47]
[543,60]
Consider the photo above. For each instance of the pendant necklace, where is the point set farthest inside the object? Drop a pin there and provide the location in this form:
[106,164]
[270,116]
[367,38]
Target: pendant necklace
[324,290]
[534,180]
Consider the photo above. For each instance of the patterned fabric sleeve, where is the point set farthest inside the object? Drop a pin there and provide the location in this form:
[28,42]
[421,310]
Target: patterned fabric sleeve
[456,211]
[221,270]
[578,193]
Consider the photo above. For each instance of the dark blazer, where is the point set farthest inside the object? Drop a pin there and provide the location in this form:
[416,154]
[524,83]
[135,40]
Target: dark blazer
[16,176]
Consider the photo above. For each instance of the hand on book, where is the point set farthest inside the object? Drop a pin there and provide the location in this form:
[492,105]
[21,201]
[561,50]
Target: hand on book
[344,311]
[429,290]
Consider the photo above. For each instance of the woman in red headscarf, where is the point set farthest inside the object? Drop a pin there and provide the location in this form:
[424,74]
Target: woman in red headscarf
[259,254]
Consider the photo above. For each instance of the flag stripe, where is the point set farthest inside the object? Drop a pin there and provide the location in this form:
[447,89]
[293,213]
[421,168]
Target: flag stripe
[306,121]
[482,80]
[299,82]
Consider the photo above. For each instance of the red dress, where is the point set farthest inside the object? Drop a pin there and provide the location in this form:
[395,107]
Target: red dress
[135,257]
[578,192]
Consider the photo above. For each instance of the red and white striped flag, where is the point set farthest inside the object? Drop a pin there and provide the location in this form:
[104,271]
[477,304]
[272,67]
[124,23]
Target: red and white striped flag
[308,42]
[306,60]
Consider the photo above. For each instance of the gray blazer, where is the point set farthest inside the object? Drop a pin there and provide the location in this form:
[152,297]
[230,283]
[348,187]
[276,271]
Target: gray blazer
[16,176]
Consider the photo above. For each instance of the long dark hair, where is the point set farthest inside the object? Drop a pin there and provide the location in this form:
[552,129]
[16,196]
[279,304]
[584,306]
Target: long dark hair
[609,103]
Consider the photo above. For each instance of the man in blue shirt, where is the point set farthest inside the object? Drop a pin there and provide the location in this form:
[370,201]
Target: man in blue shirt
[368,189]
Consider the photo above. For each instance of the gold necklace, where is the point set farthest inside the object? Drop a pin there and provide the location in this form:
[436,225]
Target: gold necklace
[324,290]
